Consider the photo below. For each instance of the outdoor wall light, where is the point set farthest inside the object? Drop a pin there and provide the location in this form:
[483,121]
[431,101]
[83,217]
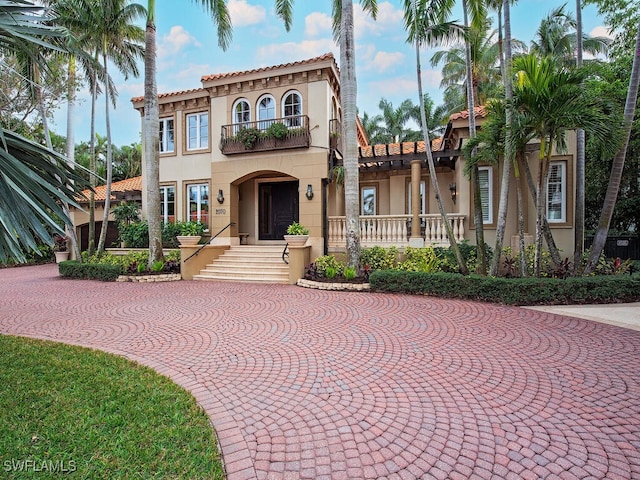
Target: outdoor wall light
[220,196]
[454,193]
[309,193]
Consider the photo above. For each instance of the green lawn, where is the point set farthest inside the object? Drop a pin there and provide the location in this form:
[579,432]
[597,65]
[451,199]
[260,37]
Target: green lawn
[88,414]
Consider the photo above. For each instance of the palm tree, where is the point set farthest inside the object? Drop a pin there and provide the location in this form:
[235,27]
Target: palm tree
[34,179]
[372,127]
[556,36]
[618,163]
[436,117]
[151,124]
[395,119]
[549,96]
[578,240]
[425,22]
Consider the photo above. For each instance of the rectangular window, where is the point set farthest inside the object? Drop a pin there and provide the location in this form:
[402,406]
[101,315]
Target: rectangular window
[556,196]
[167,143]
[485,179]
[368,200]
[168,204]
[423,198]
[198,206]
[197,131]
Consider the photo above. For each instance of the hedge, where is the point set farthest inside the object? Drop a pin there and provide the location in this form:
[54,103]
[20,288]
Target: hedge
[90,271]
[511,291]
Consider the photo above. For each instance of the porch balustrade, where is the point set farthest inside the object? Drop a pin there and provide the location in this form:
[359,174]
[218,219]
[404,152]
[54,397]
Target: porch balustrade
[395,230]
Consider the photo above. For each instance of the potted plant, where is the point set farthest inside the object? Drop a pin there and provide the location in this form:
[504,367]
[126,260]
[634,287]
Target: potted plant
[190,233]
[60,248]
[297,234]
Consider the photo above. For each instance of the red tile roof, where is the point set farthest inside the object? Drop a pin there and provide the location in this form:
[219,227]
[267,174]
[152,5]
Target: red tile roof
[479,112]
[398,148]
[217,76]
[171,94]
[127,185]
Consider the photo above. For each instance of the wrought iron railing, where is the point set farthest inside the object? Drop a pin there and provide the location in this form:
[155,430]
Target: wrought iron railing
[264,135]
[209,242]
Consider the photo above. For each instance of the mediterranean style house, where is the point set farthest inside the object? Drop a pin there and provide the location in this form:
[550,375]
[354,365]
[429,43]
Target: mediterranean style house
[248,153]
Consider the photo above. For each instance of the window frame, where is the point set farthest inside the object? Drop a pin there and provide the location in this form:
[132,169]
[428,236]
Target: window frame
[199,201]
[490,204]
[235,120]
[563,192]
[374,203]
[294,120]
[198,138]
[161,141]
[264,123]
[164,203]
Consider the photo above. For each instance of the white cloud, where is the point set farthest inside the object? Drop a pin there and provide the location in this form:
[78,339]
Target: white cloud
[316,24]
[601,31]
[389,21]
[385,61]
[243,13]
[176,41]
[278,53]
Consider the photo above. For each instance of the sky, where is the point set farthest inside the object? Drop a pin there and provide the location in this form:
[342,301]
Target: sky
[385,63]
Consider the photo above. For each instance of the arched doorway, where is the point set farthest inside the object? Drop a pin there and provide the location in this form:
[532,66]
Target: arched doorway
[277,208]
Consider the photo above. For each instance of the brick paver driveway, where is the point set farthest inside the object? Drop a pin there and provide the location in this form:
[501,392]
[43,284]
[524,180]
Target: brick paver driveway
[309,384]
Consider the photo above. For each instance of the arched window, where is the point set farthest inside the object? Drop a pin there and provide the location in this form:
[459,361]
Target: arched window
[241,111]
[266,111]
[292,109]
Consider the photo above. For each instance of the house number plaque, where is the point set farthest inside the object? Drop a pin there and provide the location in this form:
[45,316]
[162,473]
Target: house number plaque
[221,211]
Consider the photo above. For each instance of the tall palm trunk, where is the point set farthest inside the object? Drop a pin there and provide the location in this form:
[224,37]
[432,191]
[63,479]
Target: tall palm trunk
[578,246]
[92,165]
[348,94]
[152,137]
[508,144]
[475,181]
[432,169]
[516,170]
[71,143]
[109,163]
[618,163]
[543,173]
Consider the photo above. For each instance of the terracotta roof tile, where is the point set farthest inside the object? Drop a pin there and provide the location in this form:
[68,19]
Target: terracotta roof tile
[127,185]
[171,94]
[479,111]
[217,76]
[394,148]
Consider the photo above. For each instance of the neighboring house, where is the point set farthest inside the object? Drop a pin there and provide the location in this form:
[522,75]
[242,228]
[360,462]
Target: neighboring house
[255,150]
[129,189]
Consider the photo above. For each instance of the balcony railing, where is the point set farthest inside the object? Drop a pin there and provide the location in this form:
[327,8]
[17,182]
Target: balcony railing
[265,135]
[395,230]
[335,135]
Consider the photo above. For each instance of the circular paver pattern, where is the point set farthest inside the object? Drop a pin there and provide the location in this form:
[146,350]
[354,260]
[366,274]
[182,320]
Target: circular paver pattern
[329,385]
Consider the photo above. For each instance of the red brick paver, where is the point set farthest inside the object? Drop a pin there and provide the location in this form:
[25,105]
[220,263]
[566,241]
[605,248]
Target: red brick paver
[331,385]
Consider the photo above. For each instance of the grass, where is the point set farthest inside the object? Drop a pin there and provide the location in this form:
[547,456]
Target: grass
[89,414]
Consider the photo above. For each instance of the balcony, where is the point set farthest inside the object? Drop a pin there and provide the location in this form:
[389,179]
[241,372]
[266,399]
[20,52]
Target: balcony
[266,135]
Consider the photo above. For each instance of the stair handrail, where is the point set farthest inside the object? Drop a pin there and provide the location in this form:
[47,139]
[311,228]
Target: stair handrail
[285,253]
[209,242]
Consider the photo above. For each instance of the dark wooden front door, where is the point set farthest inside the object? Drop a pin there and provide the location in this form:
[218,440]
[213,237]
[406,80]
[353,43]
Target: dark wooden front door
[278,208]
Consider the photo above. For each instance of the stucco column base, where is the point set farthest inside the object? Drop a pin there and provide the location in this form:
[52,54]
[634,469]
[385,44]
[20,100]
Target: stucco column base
[198,262]
[299,257]
[416,242]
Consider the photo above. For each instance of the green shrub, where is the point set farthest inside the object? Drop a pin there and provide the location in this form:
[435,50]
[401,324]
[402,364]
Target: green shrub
[89,271]
[329,262]
[135,235]
[378,258]
[419,260]
[169,233]
[277,130]
[330,272]
[191,228]
[248,137]
[349,273]
[515,291]
[157,266]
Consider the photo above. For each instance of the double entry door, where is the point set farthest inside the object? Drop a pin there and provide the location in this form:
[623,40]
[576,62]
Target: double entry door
[277,207]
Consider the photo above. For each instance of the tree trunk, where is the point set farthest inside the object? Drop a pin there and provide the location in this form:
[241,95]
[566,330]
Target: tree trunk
[578,245]
[71,143]
[93,167]
[109,165]
[618,163]
[543,171]
[523,250]
[432,169]
[475,183]
[508,148]
[151,138]
[348,94]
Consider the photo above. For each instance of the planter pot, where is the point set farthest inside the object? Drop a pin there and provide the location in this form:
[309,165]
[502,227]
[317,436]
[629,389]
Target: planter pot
[188,239]
[61,256]
[296,240]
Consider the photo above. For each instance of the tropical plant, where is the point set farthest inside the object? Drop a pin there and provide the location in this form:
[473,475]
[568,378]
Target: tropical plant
[297,229]
[35,180]
[248,137]
[426,24]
